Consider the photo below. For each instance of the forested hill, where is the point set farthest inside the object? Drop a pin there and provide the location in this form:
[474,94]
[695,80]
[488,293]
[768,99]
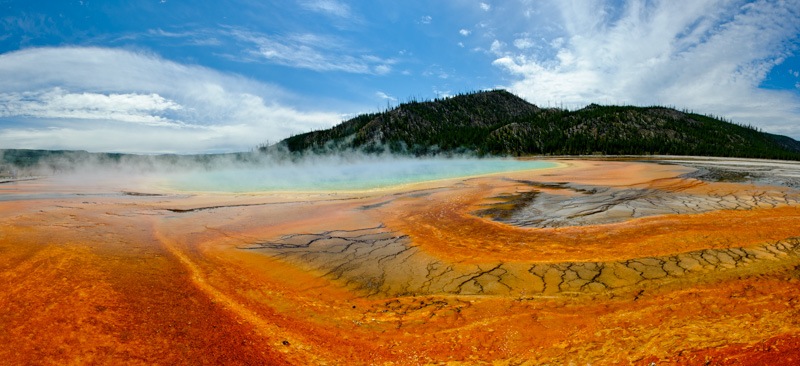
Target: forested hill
[500,123]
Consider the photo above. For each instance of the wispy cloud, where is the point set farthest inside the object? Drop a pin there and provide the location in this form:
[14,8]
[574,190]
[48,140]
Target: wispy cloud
[328,7]
[485,6]
[385,96]
[707,55]
[103,99]
[27,28]
[312,51]
[194,37]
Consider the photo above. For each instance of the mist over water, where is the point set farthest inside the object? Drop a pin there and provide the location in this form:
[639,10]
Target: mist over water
[332,174]
[249,172]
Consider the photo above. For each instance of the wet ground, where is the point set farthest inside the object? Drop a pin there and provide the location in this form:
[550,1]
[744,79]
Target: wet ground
[600,262]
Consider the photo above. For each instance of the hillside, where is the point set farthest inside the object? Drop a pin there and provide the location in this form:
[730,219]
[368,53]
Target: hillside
[500,123]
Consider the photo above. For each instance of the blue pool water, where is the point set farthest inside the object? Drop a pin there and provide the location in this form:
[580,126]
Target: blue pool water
[331,175]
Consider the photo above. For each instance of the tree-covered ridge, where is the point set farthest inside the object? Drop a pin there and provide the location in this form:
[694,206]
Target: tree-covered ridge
[500,123]
[446,124]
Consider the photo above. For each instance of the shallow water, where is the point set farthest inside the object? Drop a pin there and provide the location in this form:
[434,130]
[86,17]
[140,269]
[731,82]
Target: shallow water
[330,175]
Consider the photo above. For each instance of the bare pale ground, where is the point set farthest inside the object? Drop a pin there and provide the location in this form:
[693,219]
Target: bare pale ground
[596,262]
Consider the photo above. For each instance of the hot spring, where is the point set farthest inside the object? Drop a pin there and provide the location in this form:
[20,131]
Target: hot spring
[337,175]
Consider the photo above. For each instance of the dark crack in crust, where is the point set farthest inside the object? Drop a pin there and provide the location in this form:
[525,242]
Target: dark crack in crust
[383,263]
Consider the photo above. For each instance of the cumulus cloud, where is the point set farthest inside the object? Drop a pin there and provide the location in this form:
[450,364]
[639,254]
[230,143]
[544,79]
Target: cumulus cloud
[485,7]
[147,109]
[464,32]
[102,99]
[312,51]
[707,55]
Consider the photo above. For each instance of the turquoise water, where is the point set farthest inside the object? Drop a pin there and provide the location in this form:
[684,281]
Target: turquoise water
[342,176]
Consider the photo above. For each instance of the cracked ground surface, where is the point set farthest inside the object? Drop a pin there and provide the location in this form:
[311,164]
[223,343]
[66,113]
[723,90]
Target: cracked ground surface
[375,261]
[600,262]
[564,204]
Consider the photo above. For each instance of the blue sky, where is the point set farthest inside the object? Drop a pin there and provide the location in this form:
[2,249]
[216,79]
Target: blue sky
[156,76]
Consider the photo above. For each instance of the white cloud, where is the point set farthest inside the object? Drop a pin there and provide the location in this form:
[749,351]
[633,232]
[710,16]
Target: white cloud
[464,32]
[497,47]
[382,69]
[426,19]
[146,109]
[442,93]
[557,42]
[328,7]
[194,37]
[710,56]
[101,99]
[523,43]
[313,52]
[385,96]
[485,7]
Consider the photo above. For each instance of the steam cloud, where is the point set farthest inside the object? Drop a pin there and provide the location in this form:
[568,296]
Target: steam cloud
[250,171]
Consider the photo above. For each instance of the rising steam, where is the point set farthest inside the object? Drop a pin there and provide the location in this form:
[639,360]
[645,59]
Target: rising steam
[249,172]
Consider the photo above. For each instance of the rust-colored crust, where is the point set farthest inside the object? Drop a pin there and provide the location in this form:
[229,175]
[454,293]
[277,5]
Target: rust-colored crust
[405,276]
